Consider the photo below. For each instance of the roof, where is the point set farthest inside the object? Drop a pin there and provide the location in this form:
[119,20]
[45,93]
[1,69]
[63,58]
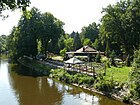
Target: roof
[86,49]
[73,61]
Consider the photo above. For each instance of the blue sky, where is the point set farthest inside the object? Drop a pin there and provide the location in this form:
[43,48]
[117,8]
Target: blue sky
[74,13]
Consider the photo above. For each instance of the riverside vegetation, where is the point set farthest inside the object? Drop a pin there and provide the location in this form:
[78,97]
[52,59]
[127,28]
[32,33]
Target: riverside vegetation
[114,84]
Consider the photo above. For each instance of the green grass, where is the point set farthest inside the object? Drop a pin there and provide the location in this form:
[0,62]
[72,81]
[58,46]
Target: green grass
[60,58]
[118,74]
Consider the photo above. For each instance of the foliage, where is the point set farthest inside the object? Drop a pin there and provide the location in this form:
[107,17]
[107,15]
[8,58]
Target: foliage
[91,32]
[3,43]
[126,99]
[86,42]
[112,56]
[69,44]
[128,62]
[119,29]
[98,58]
[104,85]
[63,52]
[69,77]
[13,4]
[51,30]
[77,41]
[34,30]
[36,67]
[135,75]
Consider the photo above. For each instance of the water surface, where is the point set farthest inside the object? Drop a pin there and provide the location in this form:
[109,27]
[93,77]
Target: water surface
[25,90]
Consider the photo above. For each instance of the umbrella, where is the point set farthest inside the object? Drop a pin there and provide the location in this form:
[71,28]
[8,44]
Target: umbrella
[73,61]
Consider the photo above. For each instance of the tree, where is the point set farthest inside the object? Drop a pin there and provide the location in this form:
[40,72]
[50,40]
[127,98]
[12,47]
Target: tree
[3,44]
[87,42]
[135,75]
[120,27]
[12,5]
[77,41]
[12,42]
[61,43]
[91,32]
[35,31]
[69,44]
[51,30]
[23,38]
[29,30]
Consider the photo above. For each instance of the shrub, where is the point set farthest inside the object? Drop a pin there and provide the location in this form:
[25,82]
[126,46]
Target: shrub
[63,52]
[126,99]
[68,77]
[104,85]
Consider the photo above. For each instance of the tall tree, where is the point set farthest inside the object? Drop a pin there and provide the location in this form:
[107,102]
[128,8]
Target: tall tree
[23,38]
[91,32]
[29,30]
[77,41]
[52,29]
[119,26]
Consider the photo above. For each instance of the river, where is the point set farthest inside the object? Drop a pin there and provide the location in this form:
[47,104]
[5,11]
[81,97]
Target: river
[25,90]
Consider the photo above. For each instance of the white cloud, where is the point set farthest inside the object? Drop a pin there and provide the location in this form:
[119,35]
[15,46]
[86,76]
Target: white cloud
[74,13]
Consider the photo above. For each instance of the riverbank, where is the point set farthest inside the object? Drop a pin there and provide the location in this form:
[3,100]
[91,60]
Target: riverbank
[98,84]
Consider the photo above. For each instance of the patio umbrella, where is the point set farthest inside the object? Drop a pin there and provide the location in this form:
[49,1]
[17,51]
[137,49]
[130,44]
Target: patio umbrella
[73,61]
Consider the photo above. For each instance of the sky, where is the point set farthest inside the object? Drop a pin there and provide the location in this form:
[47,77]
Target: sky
[74,13]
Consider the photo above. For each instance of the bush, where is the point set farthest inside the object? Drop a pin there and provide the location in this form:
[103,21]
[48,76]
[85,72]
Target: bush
[63,52]
[104,85]
[126,99]
[77,78]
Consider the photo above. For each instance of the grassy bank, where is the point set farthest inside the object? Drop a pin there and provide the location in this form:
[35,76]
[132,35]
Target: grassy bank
[118,74]
[37,68]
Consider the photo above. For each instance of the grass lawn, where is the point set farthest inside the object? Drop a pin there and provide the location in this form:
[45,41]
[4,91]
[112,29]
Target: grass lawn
[57,58]
[118,74]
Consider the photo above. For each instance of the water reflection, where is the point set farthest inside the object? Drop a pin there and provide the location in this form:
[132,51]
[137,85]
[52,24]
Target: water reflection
[26,90]
[7,95]
[35,91]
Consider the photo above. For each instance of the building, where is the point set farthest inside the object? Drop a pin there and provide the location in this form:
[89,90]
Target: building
[87,51]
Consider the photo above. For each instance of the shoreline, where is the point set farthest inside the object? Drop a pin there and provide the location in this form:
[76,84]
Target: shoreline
[107,94]
[113,96]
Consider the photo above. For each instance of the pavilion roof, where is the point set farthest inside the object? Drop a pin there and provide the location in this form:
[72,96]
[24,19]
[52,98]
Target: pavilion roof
[86,49]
